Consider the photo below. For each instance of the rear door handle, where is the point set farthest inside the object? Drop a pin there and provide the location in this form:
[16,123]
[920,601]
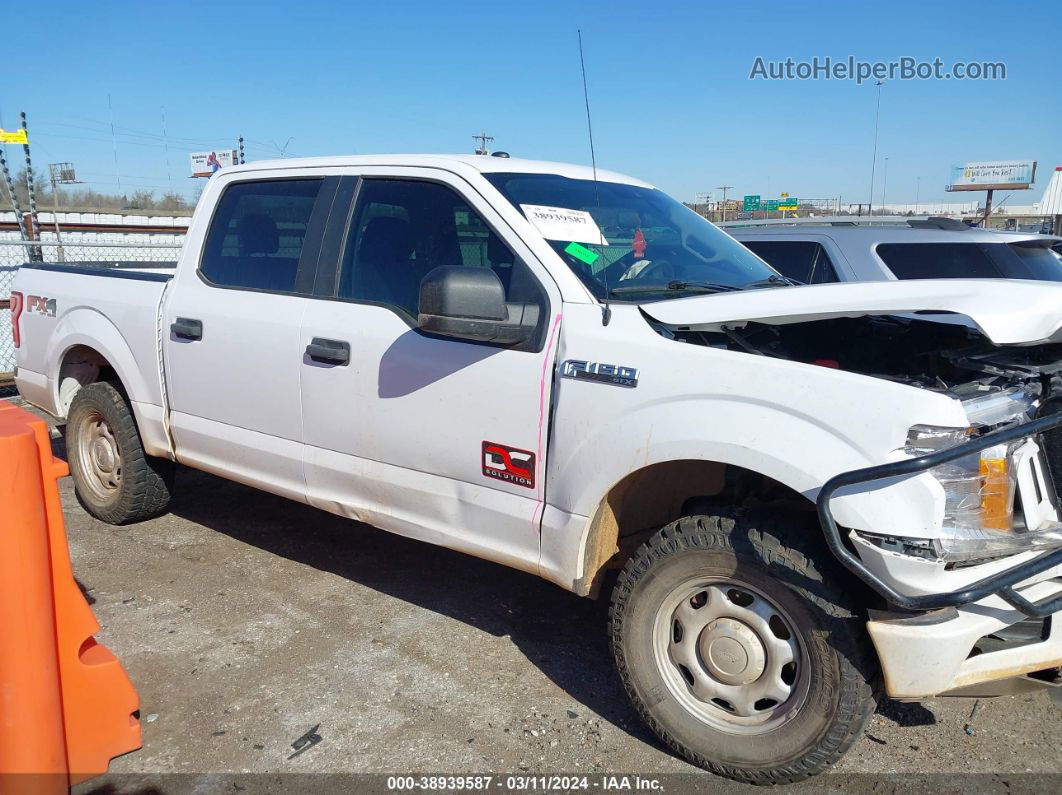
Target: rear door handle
[329,351]
[187,329]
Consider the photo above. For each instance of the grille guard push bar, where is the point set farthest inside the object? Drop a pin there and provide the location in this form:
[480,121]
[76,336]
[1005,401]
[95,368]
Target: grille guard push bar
[1002,583]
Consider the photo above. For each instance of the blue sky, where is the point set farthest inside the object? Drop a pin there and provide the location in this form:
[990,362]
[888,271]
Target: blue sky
[669,88]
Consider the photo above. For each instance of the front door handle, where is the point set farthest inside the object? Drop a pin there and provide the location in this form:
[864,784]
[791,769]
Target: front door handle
[329,351]
[187,329]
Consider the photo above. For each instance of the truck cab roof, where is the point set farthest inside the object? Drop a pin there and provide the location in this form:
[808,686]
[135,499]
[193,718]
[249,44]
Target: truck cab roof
[455,162]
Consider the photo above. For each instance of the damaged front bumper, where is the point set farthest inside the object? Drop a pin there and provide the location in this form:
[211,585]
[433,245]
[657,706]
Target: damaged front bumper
[964,651]
[935,650]
[985,648]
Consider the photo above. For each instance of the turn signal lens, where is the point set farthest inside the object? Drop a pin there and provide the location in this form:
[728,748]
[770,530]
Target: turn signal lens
[997,495]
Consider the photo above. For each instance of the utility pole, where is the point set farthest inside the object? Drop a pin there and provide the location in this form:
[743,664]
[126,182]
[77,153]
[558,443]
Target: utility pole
[483,139]
[706,200]
[60,174]
[874,159]
[724,189]
[918,191]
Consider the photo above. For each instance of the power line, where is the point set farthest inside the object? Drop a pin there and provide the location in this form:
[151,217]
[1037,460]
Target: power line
[121,138]
[114,142]
[103,127]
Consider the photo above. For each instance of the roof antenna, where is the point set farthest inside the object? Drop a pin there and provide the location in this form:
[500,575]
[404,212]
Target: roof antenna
[606,310]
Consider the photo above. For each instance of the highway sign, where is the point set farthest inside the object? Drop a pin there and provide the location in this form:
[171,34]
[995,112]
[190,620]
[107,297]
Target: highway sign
[751,204]
[790,203]
[770,205]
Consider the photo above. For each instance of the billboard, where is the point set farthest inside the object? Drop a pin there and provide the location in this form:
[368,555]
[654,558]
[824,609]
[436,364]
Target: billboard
[206,163]
[993,175]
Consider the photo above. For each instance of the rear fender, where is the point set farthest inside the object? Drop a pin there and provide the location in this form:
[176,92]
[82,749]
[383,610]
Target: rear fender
[84,326]
[90,328]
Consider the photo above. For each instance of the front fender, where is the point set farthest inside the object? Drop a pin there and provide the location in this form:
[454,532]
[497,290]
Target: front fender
[780,443]
[798,424]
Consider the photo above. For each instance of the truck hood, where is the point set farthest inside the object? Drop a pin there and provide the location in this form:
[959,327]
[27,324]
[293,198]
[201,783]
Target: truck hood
[1007,312]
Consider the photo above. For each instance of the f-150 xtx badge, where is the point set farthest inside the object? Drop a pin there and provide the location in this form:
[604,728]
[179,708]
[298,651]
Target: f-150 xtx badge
[502,462]
[614,374]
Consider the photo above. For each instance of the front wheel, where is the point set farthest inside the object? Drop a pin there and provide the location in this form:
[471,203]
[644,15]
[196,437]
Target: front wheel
[743,654]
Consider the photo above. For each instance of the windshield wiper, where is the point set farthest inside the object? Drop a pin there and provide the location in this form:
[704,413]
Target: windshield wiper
[774,280]
[698,287]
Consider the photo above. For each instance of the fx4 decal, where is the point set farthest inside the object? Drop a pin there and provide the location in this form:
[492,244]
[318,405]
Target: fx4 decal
[614,374]
[40,305]
[502,462]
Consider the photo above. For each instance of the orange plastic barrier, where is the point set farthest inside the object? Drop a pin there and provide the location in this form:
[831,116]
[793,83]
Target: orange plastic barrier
[66,705]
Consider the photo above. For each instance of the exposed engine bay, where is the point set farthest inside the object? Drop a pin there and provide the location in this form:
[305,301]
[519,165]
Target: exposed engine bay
[941,356]
[997,384]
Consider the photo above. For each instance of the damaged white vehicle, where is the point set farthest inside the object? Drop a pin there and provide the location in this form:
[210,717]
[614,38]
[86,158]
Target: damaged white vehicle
[811,494]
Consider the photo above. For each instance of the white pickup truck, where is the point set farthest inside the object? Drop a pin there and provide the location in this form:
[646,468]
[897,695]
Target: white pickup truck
[806,495]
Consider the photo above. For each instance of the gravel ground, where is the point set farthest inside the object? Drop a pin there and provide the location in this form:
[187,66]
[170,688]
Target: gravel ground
[247,621]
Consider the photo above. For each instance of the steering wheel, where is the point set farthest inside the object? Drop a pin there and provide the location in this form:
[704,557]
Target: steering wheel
[660,268]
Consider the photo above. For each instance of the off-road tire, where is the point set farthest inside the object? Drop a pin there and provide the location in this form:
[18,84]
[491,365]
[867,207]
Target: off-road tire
[146,482]
[828,609]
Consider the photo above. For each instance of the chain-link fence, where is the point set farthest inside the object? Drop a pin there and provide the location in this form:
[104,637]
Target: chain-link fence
[75,249]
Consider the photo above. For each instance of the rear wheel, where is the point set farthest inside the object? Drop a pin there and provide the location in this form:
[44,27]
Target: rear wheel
[743,654]
[115,479]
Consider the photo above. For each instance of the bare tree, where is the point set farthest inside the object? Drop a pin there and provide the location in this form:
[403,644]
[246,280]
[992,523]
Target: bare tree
[89,199]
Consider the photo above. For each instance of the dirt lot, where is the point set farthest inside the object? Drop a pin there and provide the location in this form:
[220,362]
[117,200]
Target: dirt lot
[246,620]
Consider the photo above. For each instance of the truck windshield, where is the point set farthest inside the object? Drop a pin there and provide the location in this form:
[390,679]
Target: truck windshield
[1022,260]
[633,243]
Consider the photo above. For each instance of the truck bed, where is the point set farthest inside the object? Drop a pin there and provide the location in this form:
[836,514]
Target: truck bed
[111,308]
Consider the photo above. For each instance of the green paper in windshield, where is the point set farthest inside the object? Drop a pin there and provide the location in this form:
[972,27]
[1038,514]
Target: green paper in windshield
[581,253]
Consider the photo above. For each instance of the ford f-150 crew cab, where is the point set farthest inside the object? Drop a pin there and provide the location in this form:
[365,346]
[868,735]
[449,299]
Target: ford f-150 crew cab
[798,497]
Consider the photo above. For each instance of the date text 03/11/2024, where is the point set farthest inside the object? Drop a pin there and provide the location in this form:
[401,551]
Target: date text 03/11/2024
[524,783]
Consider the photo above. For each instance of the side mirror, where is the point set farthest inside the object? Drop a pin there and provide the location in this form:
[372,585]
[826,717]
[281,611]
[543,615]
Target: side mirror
[469,303]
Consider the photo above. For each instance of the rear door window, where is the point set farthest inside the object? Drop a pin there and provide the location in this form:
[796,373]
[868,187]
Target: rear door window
[257,235]
[970,261]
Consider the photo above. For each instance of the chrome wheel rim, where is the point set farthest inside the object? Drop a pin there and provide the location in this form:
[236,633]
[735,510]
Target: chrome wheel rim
[730,656]
[97,452]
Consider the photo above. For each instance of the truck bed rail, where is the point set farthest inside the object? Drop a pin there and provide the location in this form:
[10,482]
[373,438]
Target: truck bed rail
[115,270]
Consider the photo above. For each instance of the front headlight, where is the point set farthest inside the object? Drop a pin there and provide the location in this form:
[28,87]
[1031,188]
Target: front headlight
[1006,405]
[978,495]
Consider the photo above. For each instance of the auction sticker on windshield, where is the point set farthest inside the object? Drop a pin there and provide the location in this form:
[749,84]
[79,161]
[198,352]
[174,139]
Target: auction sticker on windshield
[559,223]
